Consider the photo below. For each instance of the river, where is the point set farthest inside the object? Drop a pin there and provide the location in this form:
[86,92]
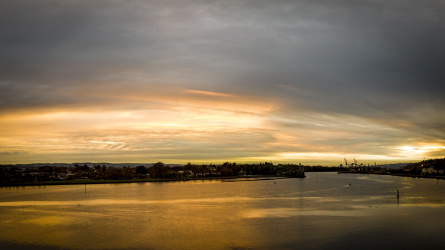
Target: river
[322,211]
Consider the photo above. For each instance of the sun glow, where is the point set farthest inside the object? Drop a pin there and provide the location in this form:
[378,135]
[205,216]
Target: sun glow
[200,132]
[410,151]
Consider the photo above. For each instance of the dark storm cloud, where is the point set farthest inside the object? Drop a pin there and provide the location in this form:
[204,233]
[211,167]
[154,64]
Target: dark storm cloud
[382,59]
[50,48]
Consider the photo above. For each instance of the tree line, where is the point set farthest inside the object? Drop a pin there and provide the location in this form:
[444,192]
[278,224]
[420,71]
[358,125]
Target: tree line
[159,170]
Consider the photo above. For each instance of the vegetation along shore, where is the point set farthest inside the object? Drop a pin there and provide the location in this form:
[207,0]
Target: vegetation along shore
[66,174]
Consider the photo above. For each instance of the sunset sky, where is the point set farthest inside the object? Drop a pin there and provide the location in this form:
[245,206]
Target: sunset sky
[211,81]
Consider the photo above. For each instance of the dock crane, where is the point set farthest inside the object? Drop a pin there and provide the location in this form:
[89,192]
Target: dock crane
[355,163]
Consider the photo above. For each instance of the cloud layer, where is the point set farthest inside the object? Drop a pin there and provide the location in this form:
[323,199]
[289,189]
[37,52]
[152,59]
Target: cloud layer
[134,81]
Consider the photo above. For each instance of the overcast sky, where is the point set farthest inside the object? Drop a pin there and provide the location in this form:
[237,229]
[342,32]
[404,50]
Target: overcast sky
[212,81]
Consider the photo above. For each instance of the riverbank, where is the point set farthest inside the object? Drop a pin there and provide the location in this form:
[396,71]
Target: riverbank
[401,175]
[89,181]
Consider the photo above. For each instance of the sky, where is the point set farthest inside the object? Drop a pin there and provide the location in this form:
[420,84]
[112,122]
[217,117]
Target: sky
[213,81]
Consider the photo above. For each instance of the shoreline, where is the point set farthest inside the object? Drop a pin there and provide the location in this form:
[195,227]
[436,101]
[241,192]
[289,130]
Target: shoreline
[89,181]
[400,175]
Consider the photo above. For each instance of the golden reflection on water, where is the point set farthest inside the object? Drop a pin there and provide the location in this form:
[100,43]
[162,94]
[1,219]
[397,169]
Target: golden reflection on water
[312,213]
[290,212]
[100,202]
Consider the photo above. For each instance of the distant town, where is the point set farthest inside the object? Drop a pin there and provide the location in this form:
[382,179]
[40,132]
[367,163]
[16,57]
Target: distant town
[74,173]
[425,168]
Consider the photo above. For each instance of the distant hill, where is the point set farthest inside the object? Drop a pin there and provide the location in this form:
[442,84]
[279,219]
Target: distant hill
[436,163]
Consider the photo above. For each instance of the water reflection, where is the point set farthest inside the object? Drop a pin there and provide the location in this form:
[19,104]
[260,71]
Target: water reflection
[323,212]
[291,212]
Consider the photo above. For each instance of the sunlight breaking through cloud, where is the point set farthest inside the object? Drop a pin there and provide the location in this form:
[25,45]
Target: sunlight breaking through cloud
[206,81]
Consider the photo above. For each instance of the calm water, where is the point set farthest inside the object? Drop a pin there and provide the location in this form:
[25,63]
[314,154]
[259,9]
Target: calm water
[321,211]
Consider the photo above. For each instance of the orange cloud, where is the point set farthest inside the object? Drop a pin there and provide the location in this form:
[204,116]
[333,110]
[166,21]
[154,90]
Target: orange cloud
[208,93]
